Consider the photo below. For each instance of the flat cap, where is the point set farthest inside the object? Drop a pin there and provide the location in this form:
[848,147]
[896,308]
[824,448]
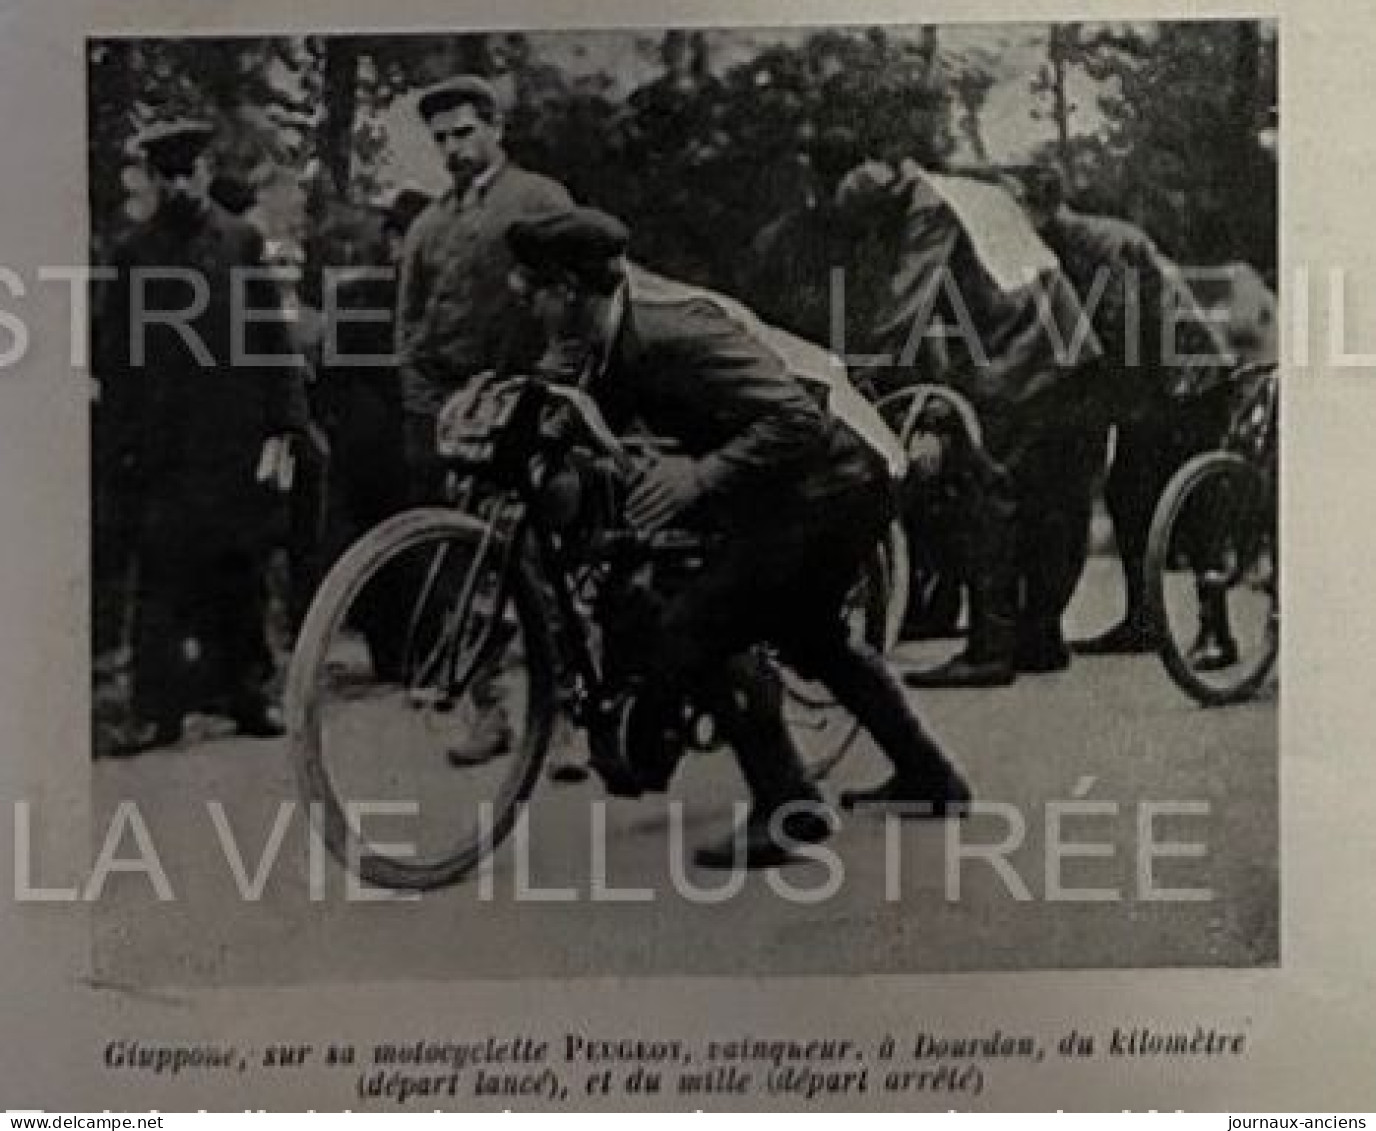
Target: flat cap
[463,90]
[174,144]
[584,242]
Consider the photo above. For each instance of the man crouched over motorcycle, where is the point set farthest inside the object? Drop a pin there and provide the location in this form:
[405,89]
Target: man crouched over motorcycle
[799,498]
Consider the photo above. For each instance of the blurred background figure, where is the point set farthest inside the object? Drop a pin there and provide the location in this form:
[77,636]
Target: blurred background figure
[360,400]
[201,440]
[1164,399]
[818,270]
[361,394]
[673,142]
[978,302]
[304,540]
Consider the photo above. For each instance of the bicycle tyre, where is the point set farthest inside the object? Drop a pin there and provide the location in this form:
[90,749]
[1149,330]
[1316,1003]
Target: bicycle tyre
[328,612]
[1183,485]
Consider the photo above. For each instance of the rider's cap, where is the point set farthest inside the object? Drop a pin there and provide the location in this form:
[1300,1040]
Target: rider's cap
[465,90]
[583,242]
[173,146]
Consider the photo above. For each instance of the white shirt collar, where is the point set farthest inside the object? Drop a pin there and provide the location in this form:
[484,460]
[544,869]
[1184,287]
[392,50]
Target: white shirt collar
[482,183]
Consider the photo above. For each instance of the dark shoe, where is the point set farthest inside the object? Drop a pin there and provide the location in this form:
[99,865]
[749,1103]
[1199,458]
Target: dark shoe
[568,772]
[490,739]
[1213,653]
[964,671]
[947,796]
[1126,639]
[1048,654]
[755,845]
[259,720]
[144,736]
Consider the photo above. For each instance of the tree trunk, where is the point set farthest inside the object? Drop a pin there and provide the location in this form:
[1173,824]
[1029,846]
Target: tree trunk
[1243,174]
[340,98]
[930,49]
[972,93]
[1059,48]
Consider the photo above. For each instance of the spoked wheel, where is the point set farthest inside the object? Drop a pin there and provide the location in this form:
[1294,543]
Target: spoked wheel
[935,589]
[1213,578]
[420,699]
[823,731]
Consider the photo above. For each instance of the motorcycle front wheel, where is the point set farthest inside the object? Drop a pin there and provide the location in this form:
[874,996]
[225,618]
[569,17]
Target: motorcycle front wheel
[420,699]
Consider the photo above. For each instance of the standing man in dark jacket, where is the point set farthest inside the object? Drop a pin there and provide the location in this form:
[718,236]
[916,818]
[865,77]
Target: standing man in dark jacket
[673,142]
[361,395]
[360,385]
[814,267]
[200,393]
[452,312]
[453,299]
[1163,380]
[769,459]
[980,304]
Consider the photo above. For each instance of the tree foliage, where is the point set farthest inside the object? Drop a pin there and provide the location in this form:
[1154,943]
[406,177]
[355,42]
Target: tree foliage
[699,163]
[1175,147]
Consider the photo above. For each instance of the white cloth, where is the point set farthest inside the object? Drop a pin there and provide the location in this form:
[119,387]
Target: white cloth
[1008,247]
[803,360]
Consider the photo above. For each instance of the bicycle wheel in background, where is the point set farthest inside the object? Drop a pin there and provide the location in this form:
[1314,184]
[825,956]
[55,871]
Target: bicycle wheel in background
[1213,578]
[424,640]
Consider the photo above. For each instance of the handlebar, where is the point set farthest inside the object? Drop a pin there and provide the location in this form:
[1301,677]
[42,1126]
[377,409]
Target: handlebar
[594,424]
[624,451]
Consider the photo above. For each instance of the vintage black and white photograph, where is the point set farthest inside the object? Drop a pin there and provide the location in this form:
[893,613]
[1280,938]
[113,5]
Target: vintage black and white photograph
[684,501]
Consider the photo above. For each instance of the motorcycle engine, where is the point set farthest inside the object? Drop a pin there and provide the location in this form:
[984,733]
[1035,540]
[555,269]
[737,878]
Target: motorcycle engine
[581,497]
[629,612]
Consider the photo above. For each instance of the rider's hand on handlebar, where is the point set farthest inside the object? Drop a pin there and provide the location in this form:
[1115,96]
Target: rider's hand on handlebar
[560,425]
[662,490]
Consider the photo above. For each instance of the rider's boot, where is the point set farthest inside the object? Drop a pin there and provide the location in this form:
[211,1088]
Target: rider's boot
[786,810]
[769,837]
[863,683]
